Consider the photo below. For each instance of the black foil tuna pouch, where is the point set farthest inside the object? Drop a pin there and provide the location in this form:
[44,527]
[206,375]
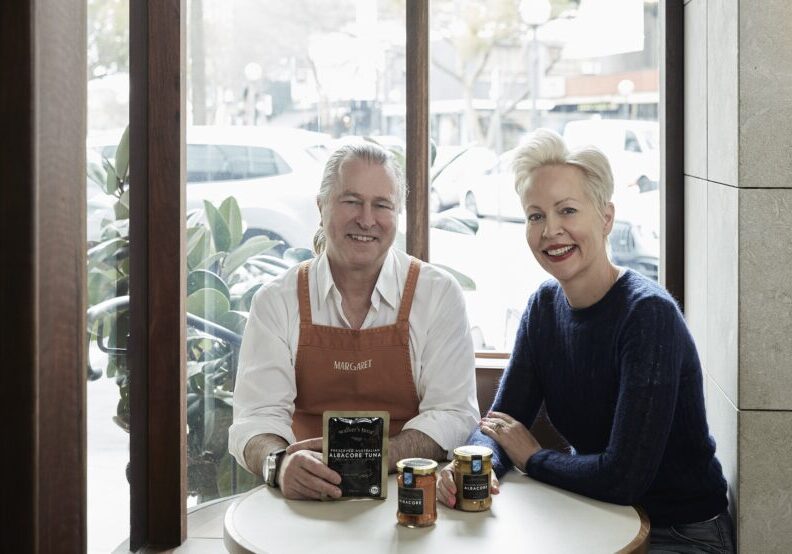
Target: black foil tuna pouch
[355,444]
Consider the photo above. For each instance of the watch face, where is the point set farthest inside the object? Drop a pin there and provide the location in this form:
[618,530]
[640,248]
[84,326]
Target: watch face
[271,466]
[269,470]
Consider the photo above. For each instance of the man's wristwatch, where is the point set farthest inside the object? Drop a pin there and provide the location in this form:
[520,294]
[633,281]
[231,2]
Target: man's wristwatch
[272,465]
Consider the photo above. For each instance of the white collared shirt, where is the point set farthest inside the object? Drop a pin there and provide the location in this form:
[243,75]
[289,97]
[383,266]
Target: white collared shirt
[441,351]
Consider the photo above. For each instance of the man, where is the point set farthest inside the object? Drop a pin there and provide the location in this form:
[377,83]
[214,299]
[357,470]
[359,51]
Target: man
[361,327]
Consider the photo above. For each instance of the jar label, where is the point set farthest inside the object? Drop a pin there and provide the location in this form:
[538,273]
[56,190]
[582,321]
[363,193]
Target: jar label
[411,501]
[475,487]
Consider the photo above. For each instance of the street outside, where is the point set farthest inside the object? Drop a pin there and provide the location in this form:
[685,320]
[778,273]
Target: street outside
[505,273]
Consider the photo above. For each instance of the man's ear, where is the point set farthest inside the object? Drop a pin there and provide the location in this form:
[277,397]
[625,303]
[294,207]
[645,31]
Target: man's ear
[610,214]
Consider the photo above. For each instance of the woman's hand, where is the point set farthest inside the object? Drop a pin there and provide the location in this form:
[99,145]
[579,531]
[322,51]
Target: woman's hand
[513,436]
[446,488]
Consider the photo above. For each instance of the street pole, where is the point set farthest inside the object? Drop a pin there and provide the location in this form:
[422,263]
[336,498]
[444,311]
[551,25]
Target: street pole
[534,77]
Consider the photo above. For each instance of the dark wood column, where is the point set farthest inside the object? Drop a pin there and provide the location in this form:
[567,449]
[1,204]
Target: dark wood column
[157,280]
[418,128]
[42,275]
[672,139]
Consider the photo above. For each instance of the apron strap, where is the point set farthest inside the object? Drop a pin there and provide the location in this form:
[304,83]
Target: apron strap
[303,295]
[409,290]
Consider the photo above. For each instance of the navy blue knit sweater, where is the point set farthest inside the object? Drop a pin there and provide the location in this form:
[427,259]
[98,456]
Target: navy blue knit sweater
[622,383]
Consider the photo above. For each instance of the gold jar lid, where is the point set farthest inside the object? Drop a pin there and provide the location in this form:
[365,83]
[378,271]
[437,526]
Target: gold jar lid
[419,466]
[466,453]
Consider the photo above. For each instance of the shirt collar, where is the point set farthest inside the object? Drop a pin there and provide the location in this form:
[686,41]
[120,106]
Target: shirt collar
[389,282]
[387,288]
[324,278]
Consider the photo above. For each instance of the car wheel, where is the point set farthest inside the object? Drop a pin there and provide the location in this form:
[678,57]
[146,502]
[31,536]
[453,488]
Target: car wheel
[470,204]
[278,250]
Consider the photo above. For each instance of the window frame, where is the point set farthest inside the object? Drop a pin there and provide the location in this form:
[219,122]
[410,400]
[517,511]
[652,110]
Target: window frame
[157,46]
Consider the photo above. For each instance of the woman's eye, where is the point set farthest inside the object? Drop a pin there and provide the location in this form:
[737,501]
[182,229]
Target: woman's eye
[568,211]
[533,218]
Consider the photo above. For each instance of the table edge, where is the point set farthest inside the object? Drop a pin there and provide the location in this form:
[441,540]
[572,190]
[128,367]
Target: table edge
[640,544]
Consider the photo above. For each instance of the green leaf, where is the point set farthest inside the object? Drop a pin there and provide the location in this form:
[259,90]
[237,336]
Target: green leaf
[203,279]
[252,247]
[233,217]
[125,200]
[297,255]
[464,281]
[247,297]
[234,321]
[208,303]
[122,157]
[198,246]
[96,174]
[111,181]
[221,234]
[121,211]
[210,260]
[108,250]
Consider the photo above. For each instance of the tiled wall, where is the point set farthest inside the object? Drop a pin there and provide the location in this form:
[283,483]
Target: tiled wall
[738,249]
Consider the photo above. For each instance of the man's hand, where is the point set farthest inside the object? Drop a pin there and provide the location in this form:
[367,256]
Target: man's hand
[513,436]
[446,488]
[302,474]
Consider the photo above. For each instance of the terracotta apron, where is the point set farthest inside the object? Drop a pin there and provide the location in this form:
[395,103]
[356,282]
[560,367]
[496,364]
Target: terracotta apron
[353,369]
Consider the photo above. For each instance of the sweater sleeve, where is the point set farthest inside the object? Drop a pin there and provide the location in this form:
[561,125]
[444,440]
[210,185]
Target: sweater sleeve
[650,359]
[519,395]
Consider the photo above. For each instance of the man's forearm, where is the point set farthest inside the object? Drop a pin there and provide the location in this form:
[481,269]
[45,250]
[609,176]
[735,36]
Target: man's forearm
[412,443]
[257,449]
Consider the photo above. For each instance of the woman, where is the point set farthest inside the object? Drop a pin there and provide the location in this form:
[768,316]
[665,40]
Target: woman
[609,353]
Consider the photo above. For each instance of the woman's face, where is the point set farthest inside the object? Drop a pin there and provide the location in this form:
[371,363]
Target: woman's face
[565,231]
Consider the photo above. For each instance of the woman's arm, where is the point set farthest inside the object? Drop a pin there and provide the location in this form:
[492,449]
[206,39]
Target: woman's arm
[519,393]
[651,350]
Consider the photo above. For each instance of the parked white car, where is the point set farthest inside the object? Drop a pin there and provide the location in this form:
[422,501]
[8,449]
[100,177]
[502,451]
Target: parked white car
[454,170]
[632,147]
[272,172]
[492,193]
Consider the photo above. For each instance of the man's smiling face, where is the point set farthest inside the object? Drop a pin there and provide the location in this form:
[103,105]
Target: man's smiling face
[360,217]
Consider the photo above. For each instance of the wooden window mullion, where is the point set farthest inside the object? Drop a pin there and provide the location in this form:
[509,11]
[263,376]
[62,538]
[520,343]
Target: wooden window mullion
[418,128]
[157,356]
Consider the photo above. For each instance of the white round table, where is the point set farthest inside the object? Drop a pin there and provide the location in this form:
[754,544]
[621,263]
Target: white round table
[527,516]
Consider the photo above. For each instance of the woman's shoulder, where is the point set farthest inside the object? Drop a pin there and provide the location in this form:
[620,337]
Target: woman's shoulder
[642,294]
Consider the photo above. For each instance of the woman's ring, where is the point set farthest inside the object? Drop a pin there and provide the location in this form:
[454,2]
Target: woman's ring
[497,426]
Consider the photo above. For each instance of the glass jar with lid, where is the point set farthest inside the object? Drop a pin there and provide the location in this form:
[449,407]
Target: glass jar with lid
[416,480]
[472,477]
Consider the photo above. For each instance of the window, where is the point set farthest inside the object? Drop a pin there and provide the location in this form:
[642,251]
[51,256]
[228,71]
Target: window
[108,248]
[498,74]
[631,143]
[394,118]
[285,95]
[265,162]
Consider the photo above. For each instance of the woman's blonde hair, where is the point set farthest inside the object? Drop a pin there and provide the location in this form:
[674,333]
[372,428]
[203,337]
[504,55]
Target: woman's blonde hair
[546,147]
[369,152]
